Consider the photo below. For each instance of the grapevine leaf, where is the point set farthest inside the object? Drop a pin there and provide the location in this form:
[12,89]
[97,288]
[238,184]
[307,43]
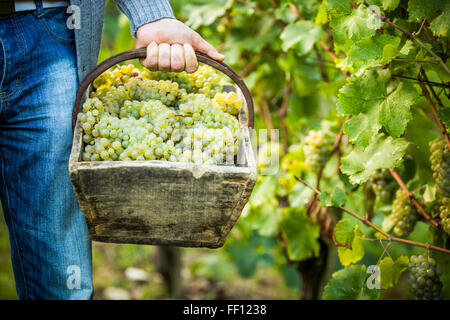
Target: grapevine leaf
[441,24]
[302,34]
[325,199]
[265,219]
[374,51]
[339,7]
[382,152]
[322,16]
[361,128]
[337,198]
[407,47]
[264,192]
[375,101]
[349,284]
[299,195]
[364,92]
[420,9]
[348,234]
[361,23]
[420,131]
[301,234]
[391,271]
[395,109]
[390,5]
[205,12]
[444,116]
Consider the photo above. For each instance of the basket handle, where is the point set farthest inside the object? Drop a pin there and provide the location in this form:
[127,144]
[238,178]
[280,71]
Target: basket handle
[141,53]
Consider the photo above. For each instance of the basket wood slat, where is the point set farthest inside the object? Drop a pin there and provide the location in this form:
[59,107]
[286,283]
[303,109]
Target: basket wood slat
[160,202]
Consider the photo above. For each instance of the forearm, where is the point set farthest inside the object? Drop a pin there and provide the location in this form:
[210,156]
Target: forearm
[140,12]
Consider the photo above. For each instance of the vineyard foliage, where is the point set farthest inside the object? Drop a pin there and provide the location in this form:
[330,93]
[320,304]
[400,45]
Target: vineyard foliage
[355,88]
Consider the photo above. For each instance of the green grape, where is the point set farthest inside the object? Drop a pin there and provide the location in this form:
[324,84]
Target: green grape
[440,164]
[383,185]
[160,116]
[444,214]
[404,215]
[423,278]
[317,149]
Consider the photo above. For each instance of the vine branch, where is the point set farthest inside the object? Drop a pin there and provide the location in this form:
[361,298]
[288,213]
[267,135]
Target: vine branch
[370,224]
[413,199]
[409,34]
[434,110]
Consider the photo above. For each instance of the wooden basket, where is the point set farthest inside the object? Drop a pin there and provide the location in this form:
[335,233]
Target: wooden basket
[160,202]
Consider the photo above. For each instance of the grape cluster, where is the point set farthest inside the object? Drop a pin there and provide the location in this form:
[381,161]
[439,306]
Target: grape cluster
[444,214]
[228,102]
[317,149]
[440,164]
[131,117]
[404,215]
[204,80]
[383,185]
[423,278]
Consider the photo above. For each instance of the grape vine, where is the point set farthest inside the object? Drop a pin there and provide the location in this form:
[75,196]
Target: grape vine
[374,76]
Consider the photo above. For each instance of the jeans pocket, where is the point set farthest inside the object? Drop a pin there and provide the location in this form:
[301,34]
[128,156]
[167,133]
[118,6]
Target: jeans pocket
[54,21]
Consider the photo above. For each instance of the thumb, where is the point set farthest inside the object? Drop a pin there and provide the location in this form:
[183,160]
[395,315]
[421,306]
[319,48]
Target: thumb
[199,44]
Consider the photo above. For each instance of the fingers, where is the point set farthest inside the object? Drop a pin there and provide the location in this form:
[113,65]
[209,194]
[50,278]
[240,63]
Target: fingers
[191,64]
[202,45]
[177,58]
[164,57]
[151,61]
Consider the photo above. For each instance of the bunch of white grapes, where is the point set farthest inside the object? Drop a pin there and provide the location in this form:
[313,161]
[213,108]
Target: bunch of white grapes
[159,116]
[423,278]
[383,185]
[317,149]
[440,164]
[404,215]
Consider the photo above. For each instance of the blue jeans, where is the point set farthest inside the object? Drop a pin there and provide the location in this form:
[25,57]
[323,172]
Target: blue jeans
[50,246]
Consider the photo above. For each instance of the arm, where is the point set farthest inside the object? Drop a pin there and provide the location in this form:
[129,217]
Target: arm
[170,43]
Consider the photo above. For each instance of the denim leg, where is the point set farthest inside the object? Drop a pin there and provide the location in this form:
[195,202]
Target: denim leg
[50,246]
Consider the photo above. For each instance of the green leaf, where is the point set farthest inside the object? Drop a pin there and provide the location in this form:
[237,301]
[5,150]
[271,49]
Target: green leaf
[348,233]
[391,271]
[264,191]
[382,152]
[407,47]
[325,199]
[444,116]
[204,12]
[361,23]
[322,16]
[390,5]
[373,51]
[420,9]
[395,109]
[375,101]
[441,24]
[336,199]
[302,34]
[299,195]
[349,284]
[301,234]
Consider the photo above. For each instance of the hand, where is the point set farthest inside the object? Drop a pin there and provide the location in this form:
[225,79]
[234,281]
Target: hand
[170,46]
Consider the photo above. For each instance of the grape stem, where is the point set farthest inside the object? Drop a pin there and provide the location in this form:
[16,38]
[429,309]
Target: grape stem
[433,107]
[370,224]
[413,200]
[409,34]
